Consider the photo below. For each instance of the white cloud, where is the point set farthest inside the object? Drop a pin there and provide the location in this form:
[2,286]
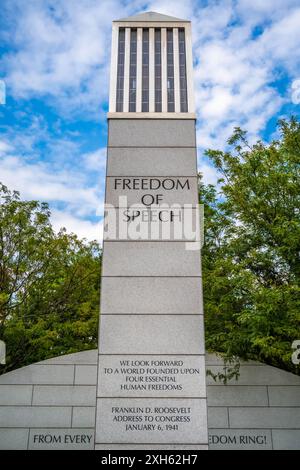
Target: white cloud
[82,228]
[281,41]
[36,180]
[178,8]
[235,69]
[61,52]
[4,147]
[95,160]
[74,203]
[260,11]
[211,21]
[219,102]
[210,174]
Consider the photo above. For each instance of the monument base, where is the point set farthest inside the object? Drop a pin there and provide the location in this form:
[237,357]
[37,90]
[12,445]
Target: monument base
[50,405]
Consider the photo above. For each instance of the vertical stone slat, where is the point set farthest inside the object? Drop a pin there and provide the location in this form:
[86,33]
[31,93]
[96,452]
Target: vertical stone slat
[126,70]
[164,87]
[151,71]
[176,70]
[139,70]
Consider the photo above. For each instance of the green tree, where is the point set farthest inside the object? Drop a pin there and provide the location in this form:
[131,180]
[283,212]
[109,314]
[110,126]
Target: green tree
[251,254]
[49,285]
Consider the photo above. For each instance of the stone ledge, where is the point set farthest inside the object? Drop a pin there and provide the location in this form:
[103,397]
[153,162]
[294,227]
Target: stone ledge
[146,116]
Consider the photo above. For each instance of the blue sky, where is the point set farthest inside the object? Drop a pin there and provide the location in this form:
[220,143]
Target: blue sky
[54,60]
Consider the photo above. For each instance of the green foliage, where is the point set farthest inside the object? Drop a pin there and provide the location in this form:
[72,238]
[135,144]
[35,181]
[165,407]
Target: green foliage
[49,285]
[251,262]
[230,370]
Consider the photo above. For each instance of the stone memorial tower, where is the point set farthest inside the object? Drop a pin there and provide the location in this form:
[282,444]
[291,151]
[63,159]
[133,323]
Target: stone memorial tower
[144,388]
[151,390]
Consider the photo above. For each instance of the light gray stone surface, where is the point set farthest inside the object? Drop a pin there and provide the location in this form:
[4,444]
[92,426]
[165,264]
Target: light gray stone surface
[240,439]
[237,395]
[15,394]
[13,439]
[64,395]
[151,334]
[150,259]
[162,223]
[166,328]
[151,161]
[85,375]
[82,357]
[286,439]
[275,417]
[83,417]
[160,295]
[278,418]
[35,416]
[186,195]
[284,396]
[40,374]
[151,133]
[217,417]
[258,375]
[145,376]
[61,439]
[188,414]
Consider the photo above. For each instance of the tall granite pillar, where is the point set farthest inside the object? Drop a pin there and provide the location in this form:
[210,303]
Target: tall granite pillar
[151,381]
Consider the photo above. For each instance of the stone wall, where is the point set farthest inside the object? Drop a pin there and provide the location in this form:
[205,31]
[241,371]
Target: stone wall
[51,404]
[259,411]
